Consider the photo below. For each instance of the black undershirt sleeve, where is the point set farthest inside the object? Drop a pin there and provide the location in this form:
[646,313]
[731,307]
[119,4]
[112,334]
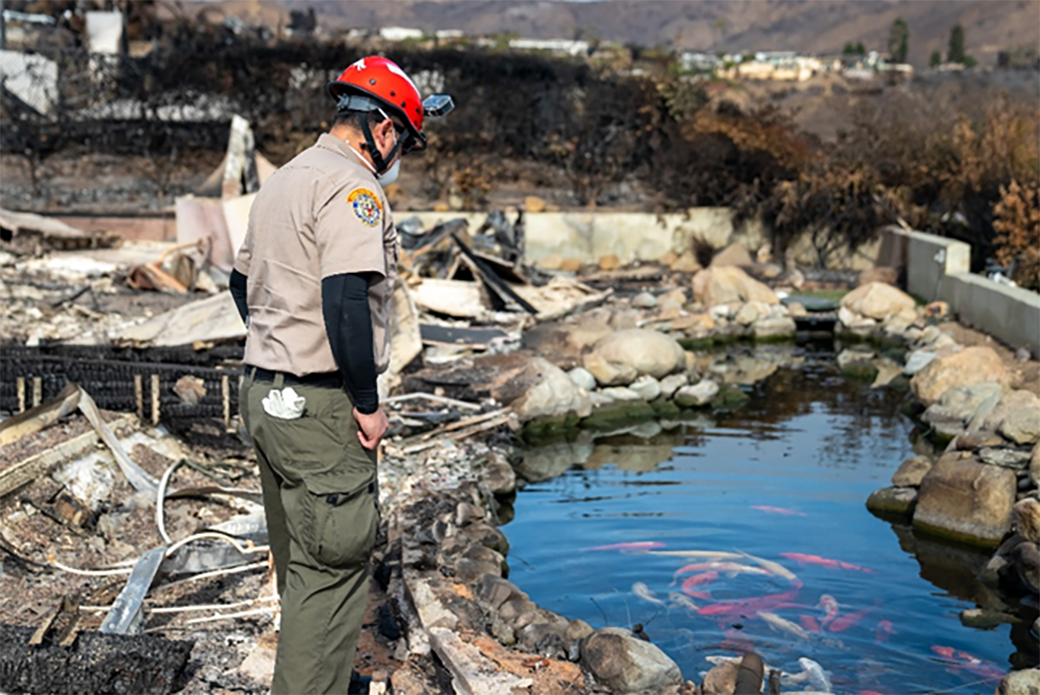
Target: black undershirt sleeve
[237,285]
[348,324]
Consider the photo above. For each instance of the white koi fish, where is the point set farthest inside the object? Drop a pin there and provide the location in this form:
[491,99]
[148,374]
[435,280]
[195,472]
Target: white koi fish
[778,623]
[706,554]
[684,601]
[817,677]
[643,591]
[774,567]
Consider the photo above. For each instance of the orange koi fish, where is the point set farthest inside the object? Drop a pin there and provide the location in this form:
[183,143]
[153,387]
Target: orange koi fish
[809,623]
[844,622]
[751,606]
[696,580]
[804,559]
[970,663]
[883,631]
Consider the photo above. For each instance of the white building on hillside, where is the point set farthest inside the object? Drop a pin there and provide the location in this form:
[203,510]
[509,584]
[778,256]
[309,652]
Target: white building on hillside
[564,46]
[399,33]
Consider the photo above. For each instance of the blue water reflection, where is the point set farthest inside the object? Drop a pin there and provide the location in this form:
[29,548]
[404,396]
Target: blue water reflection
[784,479]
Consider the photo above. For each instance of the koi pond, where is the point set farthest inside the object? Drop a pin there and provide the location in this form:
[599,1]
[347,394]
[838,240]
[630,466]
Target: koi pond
[748,530]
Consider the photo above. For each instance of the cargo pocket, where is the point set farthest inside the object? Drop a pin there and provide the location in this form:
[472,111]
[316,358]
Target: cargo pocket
[345,524]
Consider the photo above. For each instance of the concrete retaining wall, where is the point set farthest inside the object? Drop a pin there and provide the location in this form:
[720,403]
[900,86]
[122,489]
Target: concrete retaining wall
[938,269]
[630,236]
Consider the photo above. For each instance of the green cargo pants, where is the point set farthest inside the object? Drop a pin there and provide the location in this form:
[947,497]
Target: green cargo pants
[320,499]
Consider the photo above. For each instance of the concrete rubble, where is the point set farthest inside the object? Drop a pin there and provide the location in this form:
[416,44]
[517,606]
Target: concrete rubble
[487,350]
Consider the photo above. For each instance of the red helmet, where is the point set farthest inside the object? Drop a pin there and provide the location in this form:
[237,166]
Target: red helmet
[385,82]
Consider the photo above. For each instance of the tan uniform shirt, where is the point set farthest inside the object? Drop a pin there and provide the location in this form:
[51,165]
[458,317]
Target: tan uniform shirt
[322,214]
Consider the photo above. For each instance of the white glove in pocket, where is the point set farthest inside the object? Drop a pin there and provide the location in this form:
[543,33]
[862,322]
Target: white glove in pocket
[285,404]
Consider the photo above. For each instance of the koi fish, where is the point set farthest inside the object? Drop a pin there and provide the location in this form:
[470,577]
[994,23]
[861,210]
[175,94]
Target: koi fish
[727,567]
[809,623]
[818,679]
[683,601]
[775,567]
[776,510]
[751,606]
[844,622]
[970,663]
[635,547]
[643,591]
[804,559]
[705,554]
[696,580]
[883,631]
[777,623]
[830,608]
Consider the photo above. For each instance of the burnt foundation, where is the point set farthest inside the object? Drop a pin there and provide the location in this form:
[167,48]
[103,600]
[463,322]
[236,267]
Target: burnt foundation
[94,663]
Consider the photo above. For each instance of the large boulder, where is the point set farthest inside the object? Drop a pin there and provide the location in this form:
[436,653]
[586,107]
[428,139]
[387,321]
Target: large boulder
[961,402]
[734,254]
[621,357]
[565,342]
[973,365]
[878,301]
[961,405]
[550,393]
[912,472]
[729,284]
[751,312]
[608,373]
[697,395]
[774,327]
[1024,682]
[1022,426]
[893,501]
[965,500]
[1025,558]
[884,274]
[1034,465]
[1027,519]
[626,664]
[721,679]
[1012,402]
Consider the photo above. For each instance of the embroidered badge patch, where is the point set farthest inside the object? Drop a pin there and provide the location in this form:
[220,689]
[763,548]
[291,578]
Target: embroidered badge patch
[366,206]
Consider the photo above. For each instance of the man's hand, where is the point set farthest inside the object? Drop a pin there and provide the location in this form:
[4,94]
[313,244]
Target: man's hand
[371,428]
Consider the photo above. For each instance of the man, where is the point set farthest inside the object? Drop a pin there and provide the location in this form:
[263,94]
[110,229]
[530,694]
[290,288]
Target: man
[313,281]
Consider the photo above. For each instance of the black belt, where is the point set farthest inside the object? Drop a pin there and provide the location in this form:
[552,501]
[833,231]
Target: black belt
[330,380]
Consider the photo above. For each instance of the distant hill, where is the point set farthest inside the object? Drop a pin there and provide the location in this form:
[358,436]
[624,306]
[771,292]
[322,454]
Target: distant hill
[812,26]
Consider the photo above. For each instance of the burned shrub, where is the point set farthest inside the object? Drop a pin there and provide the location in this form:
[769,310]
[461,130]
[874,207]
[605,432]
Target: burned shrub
[1017,239]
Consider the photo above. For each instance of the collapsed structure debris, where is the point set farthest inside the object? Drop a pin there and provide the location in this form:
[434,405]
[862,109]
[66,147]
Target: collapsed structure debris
[26,234]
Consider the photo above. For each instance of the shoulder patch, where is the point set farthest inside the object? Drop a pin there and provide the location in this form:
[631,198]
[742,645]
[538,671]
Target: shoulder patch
[366,206]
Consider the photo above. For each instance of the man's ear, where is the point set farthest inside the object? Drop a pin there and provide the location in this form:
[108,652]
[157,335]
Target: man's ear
[385,130]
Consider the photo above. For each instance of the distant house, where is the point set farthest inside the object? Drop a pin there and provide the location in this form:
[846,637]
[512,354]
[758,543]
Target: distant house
[400,33]
[784,66]
[560,46]
[694,61]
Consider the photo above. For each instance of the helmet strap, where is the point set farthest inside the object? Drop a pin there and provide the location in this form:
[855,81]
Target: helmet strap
[381,163]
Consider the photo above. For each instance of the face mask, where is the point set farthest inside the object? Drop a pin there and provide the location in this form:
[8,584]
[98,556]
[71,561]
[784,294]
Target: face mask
[390,175]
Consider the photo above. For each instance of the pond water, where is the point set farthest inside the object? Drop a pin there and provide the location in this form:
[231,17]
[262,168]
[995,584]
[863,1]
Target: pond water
[783,479]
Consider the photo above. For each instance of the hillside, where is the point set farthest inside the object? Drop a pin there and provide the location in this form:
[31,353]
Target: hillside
[816,26]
